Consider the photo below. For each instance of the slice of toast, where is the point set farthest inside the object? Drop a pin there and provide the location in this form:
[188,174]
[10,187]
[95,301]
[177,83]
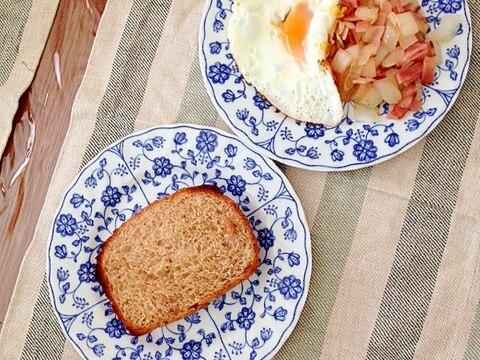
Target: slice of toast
[175,256]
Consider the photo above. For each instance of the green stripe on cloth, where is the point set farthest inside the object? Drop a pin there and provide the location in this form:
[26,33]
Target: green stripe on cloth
[331,238]
[281,166]
[131,68]
[196,106]
[45,339]
[425,231]
[13,17]
[472,351]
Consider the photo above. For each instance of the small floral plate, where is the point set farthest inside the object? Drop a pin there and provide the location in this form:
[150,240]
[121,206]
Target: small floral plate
[250,322]
[351,145]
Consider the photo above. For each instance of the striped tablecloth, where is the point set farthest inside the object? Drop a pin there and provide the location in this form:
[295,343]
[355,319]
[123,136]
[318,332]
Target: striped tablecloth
[396,247]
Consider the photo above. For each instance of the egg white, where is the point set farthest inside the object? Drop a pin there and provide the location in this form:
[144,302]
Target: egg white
[304,90]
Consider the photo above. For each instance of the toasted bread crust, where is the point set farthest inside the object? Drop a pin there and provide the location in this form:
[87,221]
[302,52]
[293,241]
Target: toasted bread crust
[203,189]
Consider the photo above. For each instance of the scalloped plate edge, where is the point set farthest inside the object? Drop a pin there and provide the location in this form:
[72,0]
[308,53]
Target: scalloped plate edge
[325,168]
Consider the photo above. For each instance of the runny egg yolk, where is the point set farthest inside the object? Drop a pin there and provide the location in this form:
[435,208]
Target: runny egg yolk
[295,29]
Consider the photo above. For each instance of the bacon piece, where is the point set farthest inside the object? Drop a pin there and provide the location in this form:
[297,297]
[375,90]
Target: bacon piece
[415,52]
[351,4]
[410,90]
[416,105]
[351,18]
[431,50]
[406,103]
[363,81]
[410,6]
[410,74]
[428,71]
[396,112]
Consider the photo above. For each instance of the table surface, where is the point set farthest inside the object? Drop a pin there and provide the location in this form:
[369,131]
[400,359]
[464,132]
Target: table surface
[39,128]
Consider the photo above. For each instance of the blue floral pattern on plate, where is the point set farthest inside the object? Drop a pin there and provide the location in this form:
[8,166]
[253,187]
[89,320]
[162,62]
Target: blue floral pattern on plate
[352,144]
[252,320]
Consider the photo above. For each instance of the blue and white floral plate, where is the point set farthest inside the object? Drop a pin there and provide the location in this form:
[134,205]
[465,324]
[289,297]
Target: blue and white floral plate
[351,145]
[250,322]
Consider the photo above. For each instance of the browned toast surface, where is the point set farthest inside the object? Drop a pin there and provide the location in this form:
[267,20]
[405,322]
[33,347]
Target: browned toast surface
[176,256]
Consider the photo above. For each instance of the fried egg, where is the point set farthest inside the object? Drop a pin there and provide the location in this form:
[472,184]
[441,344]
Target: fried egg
[280,47]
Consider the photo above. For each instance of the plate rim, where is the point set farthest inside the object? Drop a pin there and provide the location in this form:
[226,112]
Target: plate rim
[301,214]
[324,168]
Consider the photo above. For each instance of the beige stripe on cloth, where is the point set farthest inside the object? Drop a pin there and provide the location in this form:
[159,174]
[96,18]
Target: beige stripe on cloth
[24,29]
[69,353]
[171,67]
[309,186]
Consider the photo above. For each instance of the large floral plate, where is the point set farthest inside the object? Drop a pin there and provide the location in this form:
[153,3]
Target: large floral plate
[253,320]
[354,143]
